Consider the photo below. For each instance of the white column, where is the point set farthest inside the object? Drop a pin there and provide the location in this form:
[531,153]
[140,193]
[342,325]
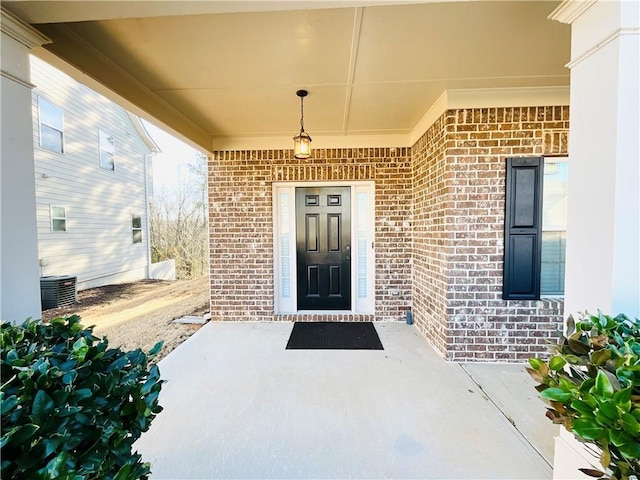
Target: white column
[19,270]
[603,227]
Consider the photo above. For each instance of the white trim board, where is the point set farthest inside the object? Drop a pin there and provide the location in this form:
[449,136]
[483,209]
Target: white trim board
[489,98]
[448,100]
[284,247]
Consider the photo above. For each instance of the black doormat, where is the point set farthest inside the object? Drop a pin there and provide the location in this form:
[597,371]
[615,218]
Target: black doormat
[334,336]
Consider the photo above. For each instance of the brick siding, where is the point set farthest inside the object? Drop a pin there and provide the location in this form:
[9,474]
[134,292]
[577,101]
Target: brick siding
[439,209]
[241,226]
[459,192]
[432,240]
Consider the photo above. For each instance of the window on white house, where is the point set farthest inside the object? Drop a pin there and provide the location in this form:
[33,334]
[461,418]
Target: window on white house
[58,218]
[107,150]
[136,228]
[51,119]
[554,226]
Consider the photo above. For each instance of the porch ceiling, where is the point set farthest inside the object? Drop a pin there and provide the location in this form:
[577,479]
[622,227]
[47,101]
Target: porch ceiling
[216,72]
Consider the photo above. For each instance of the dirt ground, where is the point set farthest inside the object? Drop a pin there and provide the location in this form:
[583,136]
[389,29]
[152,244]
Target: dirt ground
[140,314]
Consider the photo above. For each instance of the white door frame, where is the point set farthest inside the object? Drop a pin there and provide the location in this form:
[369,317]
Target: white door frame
[362,252]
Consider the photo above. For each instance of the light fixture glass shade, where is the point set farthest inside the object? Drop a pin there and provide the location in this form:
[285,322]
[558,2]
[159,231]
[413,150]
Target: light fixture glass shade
[302,145]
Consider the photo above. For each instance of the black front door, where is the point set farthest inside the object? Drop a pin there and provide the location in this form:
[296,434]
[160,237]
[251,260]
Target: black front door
[323,245]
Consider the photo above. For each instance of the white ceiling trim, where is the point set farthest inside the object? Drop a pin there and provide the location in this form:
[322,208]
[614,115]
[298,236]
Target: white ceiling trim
[490,98]
[20,31]
[353,58]
[286,143]
[436,110]
[449,99]
[508,97]
[569,10]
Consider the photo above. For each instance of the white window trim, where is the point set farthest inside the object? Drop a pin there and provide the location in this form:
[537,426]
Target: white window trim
[547,160]
[52,218]
[358,305]
[41,122]
[134,229]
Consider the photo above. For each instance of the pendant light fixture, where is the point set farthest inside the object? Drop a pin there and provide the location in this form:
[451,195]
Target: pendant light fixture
[302,141]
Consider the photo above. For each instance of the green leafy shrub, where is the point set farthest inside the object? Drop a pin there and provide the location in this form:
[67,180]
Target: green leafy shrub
[592,385]
[71,406]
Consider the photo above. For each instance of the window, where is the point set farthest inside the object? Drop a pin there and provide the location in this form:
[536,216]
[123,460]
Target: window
[107,150]
[535,228]
[51,126]
[136,228]
[58,219]
[554,226]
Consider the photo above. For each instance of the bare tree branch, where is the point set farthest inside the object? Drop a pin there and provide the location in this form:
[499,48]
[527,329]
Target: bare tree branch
[179,223]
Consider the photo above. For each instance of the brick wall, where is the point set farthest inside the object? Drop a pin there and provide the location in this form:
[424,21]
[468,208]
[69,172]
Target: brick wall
[240,236]
[432,239]
[241,225]
[459,189]
[438,230]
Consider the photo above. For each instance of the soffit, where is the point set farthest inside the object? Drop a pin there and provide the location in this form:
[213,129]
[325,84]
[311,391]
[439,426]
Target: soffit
[369,70]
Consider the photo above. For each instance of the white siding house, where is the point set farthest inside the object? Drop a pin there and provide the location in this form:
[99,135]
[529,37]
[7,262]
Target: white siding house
[92,174]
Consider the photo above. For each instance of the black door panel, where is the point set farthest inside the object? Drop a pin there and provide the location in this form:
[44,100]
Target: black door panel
[323,246]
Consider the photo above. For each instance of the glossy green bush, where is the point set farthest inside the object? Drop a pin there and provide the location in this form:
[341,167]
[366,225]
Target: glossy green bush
[71,406]
[592,385]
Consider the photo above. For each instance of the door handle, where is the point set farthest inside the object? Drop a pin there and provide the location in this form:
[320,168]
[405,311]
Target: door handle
[347,255]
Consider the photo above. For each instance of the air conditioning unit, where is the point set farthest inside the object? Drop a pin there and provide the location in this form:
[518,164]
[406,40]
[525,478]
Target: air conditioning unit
[57,291]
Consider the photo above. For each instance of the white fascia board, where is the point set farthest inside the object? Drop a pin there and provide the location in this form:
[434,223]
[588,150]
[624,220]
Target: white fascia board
[143,134]
[286,143]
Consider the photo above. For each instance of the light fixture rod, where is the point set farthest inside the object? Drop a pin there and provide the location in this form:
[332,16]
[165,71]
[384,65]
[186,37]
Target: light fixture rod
[302,94]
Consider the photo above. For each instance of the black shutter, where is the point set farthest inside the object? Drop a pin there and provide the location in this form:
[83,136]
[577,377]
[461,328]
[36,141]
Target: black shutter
[522,229]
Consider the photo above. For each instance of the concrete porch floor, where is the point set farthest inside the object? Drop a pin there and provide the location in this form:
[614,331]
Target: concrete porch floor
[238,405]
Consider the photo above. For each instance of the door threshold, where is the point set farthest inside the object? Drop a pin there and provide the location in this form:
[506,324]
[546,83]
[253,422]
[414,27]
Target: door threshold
[324,312]
[324,316]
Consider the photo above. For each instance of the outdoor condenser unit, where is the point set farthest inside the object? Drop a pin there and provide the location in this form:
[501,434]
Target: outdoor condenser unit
[57,291]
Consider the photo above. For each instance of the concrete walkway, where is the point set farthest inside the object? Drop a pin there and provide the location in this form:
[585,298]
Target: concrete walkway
[238,405]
